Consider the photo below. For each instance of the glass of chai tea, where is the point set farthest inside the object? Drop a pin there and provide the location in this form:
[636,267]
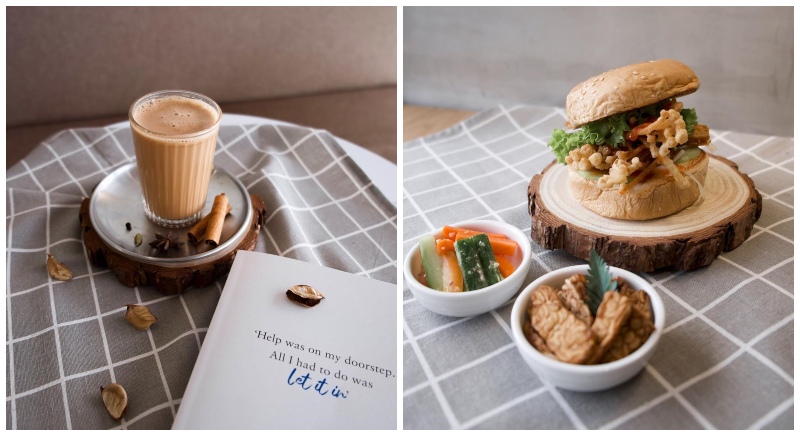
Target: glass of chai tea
[174,134]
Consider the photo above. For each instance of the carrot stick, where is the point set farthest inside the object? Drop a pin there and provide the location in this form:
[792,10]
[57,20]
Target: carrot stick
[506,268]
[502,246]
[452,278]
[450,232]
[444,245]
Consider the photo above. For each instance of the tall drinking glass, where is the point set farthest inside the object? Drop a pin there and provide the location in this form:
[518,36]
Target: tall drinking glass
[174,134]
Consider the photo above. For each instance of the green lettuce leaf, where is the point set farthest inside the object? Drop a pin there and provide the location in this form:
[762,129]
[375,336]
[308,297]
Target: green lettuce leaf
[690,117]
[611,130]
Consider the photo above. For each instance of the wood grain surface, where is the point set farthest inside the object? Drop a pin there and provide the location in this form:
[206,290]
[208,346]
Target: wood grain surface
[687,240]
[167,280]
[419,121]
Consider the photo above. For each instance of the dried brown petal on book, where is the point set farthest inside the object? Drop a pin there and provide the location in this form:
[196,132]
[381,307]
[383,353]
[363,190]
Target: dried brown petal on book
[305,295]
[57,270]
[573,296]
[140,316]
[115,399]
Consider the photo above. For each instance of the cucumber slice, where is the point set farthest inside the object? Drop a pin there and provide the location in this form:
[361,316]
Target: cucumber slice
[490,266]
[688,154]
[470,263]
[431,262]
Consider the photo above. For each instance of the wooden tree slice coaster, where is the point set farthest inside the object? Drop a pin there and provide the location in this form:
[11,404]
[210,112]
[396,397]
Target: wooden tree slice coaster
[167,280]
[689,239]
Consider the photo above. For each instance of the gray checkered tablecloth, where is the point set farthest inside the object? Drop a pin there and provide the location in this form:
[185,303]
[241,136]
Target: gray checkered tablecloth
[66,339]
[726,357]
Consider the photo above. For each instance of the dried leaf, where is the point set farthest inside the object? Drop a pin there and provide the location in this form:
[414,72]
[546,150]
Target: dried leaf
[305,295]
[140,316]
[57,270]
[115,399]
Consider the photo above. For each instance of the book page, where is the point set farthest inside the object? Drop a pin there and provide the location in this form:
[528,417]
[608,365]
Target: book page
[268,362]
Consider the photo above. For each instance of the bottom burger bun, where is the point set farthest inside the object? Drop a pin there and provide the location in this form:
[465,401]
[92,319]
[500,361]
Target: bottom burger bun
[656,197]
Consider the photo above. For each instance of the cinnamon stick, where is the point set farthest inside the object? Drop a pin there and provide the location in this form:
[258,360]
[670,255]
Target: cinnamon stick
[197,232]
[217,216]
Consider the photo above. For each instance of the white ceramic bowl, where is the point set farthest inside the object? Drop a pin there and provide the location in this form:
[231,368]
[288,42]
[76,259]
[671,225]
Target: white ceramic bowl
[473,302]
[585,378]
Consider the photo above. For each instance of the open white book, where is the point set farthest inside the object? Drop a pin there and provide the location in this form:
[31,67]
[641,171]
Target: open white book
[268,362]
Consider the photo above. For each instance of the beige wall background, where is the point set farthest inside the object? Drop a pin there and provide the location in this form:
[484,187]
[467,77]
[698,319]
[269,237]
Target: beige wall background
[89,62]
[476,58]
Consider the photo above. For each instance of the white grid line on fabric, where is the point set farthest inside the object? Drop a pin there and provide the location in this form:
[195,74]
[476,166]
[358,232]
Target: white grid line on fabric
[494,191]
[194,330]
[64,167]
[777,193]
[346,170]
[50,162]
[54,317]
[503,407]
[88,151]
[449,373]
[148,412]
[772,414]
[724,139]
[466,179]
[191,319]
[107,367]
[565,407]
[28,170]
[465,129]
[743,347]
[437,390]
[327,230]
[722,297]
[764,279]
[43,248]
[559,399]
[11,372]
[81,320]
[319,206]
[158,358]
[481,159]
[121,148]
[72,206]
[672,392]
[98,311]
[334,239]
[342,209]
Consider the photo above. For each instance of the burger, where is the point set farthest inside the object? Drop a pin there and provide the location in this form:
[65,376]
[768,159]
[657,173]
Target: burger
[634,153]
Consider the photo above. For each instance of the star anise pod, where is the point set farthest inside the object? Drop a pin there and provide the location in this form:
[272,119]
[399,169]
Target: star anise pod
[164,243]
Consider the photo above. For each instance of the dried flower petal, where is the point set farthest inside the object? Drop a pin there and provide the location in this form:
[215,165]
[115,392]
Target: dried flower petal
[305,295]
[140,316]
[115,399]
[57,270]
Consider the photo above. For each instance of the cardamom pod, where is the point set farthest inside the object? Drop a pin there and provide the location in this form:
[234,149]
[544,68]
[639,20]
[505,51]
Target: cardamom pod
[57,270]
[137,239]
[115,399]
[305,295]
[140,316]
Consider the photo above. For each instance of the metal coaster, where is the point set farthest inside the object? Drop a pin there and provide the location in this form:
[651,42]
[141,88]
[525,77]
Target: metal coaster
[118,200]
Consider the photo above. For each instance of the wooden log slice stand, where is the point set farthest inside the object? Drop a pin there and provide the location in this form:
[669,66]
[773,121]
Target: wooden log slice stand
[167,280]
[689,239]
